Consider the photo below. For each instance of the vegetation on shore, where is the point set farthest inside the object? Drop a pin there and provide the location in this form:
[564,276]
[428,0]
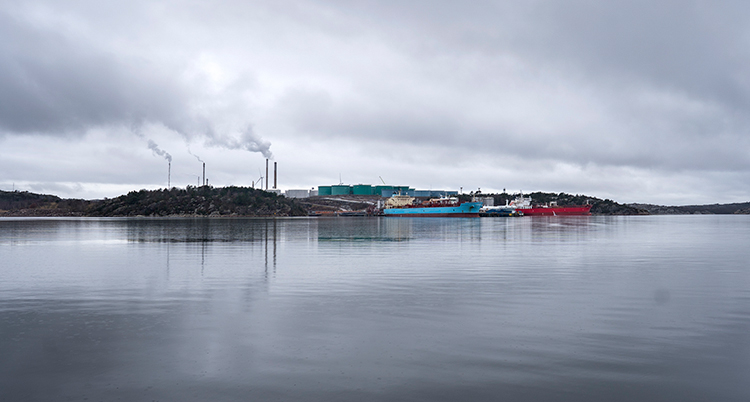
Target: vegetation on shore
[24,203]
[598,205]
[710,209]
[245,201]
[190,201]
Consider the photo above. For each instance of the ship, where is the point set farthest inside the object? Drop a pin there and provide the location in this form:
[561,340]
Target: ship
[524,207]
[404,206]
[498,211]
[495,211]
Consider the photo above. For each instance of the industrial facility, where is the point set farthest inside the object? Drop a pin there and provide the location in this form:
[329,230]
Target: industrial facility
[365,189]
[346,189]
[380,190]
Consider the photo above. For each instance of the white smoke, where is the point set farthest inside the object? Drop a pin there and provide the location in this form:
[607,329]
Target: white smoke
[196,156]
[157,151]
[247,141]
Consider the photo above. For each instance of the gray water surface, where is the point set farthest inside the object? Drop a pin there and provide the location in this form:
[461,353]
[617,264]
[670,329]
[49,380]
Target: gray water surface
[650,308]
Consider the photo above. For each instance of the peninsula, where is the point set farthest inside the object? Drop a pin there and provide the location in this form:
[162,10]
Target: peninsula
[234,201]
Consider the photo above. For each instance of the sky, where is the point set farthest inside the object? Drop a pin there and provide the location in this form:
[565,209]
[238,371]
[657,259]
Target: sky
[636,101]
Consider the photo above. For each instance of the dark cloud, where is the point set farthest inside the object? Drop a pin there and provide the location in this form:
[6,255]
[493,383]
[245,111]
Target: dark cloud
[653,85]
[54,83]
[62,83]
[660,87]
[693,47]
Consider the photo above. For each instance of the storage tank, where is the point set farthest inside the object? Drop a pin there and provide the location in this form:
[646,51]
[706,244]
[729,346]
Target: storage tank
[379,190]
[324,190]
[297,193]
[362,189]
[341,189]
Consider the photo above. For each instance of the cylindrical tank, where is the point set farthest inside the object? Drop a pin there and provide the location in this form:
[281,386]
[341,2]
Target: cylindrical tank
[341,189]
[362,189]
[379,190]
[324,190]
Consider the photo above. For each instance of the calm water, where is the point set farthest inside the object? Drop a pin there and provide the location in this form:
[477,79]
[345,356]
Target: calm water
[563,308]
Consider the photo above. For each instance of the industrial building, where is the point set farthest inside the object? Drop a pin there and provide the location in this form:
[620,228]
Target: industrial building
[380,190]
[300,193]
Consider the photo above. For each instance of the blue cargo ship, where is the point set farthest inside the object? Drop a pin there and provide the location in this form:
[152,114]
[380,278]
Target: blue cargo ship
[499,211]
[404,206]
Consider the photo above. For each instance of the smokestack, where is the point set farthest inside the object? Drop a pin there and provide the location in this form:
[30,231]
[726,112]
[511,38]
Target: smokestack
[204,173]
[274,175]
[266,173]
[169,176]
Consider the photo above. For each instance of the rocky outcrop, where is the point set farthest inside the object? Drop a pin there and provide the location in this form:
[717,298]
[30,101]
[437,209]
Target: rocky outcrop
[709,209]
[191,201]
[598,205]
[199,201]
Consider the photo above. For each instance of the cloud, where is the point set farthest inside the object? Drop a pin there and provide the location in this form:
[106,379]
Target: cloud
[58,80]
[57,83]
[653,87]
[580,83]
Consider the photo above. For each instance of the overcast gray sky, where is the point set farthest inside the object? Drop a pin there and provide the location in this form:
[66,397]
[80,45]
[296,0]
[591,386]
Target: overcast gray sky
[638,101]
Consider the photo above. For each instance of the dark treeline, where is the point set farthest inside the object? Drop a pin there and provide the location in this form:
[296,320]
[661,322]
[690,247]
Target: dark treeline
[598,205]
[190,201]
[719,209]
[245,201]
[24,203]
[24,199]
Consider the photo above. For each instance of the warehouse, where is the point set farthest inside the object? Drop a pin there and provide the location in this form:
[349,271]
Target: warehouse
[380,190]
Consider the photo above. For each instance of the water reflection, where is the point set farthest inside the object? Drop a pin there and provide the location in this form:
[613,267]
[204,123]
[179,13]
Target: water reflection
[397,229]
[549,308]
[273,236]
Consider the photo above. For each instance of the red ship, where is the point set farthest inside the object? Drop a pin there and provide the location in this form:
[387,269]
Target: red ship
[524,207]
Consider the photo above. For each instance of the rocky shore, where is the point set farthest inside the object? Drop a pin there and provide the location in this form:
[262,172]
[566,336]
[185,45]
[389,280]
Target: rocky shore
[190,201]
[598,206]
[245,201]
[711,209]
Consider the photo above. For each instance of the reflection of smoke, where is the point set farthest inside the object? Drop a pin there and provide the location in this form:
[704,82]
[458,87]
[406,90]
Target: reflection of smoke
[247,141]
[196,156]
[155,149]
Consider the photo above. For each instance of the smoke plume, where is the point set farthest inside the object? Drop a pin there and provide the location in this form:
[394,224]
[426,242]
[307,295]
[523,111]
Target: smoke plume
[196,156]
[157,151]
[247,141]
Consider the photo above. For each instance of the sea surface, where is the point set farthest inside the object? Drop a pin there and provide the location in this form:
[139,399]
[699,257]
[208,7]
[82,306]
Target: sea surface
[645,308]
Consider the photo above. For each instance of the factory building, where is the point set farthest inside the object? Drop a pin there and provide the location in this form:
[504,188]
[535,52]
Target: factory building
[382,191]
[297,193]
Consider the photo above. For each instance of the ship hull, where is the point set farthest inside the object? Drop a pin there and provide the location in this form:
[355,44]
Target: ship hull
[465,210]
[556,211]
[495,212]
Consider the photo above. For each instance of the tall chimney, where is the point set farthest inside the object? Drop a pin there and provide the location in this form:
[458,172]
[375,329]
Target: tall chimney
[204,173]
[266,173]
[274,175]
[169,176]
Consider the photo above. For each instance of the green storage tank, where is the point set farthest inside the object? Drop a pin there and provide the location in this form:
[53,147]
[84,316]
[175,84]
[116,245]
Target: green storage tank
[340,189]
[379,189]
[362,189]
[324,190]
